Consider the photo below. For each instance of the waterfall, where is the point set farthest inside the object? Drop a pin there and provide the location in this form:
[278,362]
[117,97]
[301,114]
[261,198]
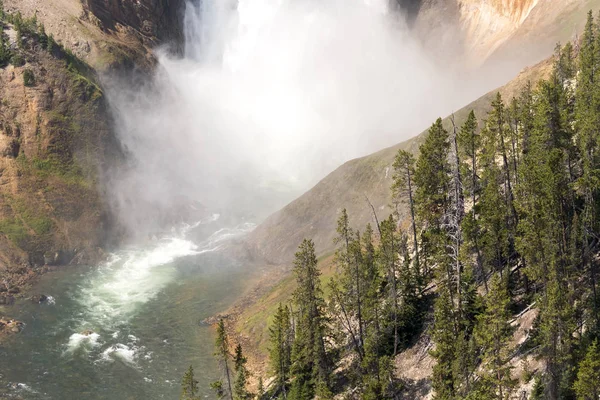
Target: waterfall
[269,97]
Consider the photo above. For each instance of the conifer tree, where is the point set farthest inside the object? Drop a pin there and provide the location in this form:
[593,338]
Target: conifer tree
[443,335]
[350,286]
[310,363]
[432,198]
[469,144]
[432,178]
[588,122]
[388,257]
[280,352]
[240,390]
[404,167]
[222,354]
[497,132]
[189,386]
[4,50]
[493,335]
[587,386]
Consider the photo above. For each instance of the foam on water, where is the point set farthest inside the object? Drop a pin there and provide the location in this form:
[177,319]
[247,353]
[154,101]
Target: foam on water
[129,279]
[113,293]
[85,341]
[122,352]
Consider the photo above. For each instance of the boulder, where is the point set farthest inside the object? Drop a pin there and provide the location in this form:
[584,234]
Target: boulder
[39,298]
[8,325]
[7,300]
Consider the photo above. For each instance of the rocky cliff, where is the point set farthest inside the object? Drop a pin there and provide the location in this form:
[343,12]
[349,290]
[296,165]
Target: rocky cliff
[153,19]
[497,31]
[56,132]
[108,34]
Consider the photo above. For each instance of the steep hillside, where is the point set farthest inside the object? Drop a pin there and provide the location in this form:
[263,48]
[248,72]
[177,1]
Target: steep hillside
[497,35]
[55,135]
[510,32]
[314,214]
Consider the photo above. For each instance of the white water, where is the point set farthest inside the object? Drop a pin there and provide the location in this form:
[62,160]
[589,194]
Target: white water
[112,294]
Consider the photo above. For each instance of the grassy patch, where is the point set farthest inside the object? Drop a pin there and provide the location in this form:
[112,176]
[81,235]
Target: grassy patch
[15,230]
[28,225]
[34,218]
[256,319]
[67,172]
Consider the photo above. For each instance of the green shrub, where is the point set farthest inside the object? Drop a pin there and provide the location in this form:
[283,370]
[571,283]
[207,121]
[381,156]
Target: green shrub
[17,60]
[4,51]
[28,78]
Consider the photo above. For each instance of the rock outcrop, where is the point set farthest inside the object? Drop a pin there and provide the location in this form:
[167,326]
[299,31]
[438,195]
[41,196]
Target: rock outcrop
[493,31]
[154,19]
[10,326]
[56,133]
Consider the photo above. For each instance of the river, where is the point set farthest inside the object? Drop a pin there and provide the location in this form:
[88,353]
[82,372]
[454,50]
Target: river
[127,329]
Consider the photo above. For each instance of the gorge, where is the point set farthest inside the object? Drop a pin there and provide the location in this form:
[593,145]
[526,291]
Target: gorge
[149,169]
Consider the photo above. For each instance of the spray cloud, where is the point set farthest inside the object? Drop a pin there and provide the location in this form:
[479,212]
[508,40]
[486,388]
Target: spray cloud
[270,96]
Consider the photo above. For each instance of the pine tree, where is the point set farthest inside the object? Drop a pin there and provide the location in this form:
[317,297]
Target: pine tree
[587,386]
[404,167]
[493,335]
[260,393]
[587,106]
[310,362]
[349,288]
[388,256]
[469,144]
[222,354]
[497,132]
[280,352]
[546,210]
[189,386]
[432,178]
[51,44]
[240,389]
[432,198]
[443,380]
[5,54]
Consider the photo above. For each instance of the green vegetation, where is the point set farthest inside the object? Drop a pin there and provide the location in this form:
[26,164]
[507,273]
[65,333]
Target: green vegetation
[189,386]
[587,386]
[31,32]
[5,55]
[65,170]
[526,238]
[26,224]
[28,78]
[14,229]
